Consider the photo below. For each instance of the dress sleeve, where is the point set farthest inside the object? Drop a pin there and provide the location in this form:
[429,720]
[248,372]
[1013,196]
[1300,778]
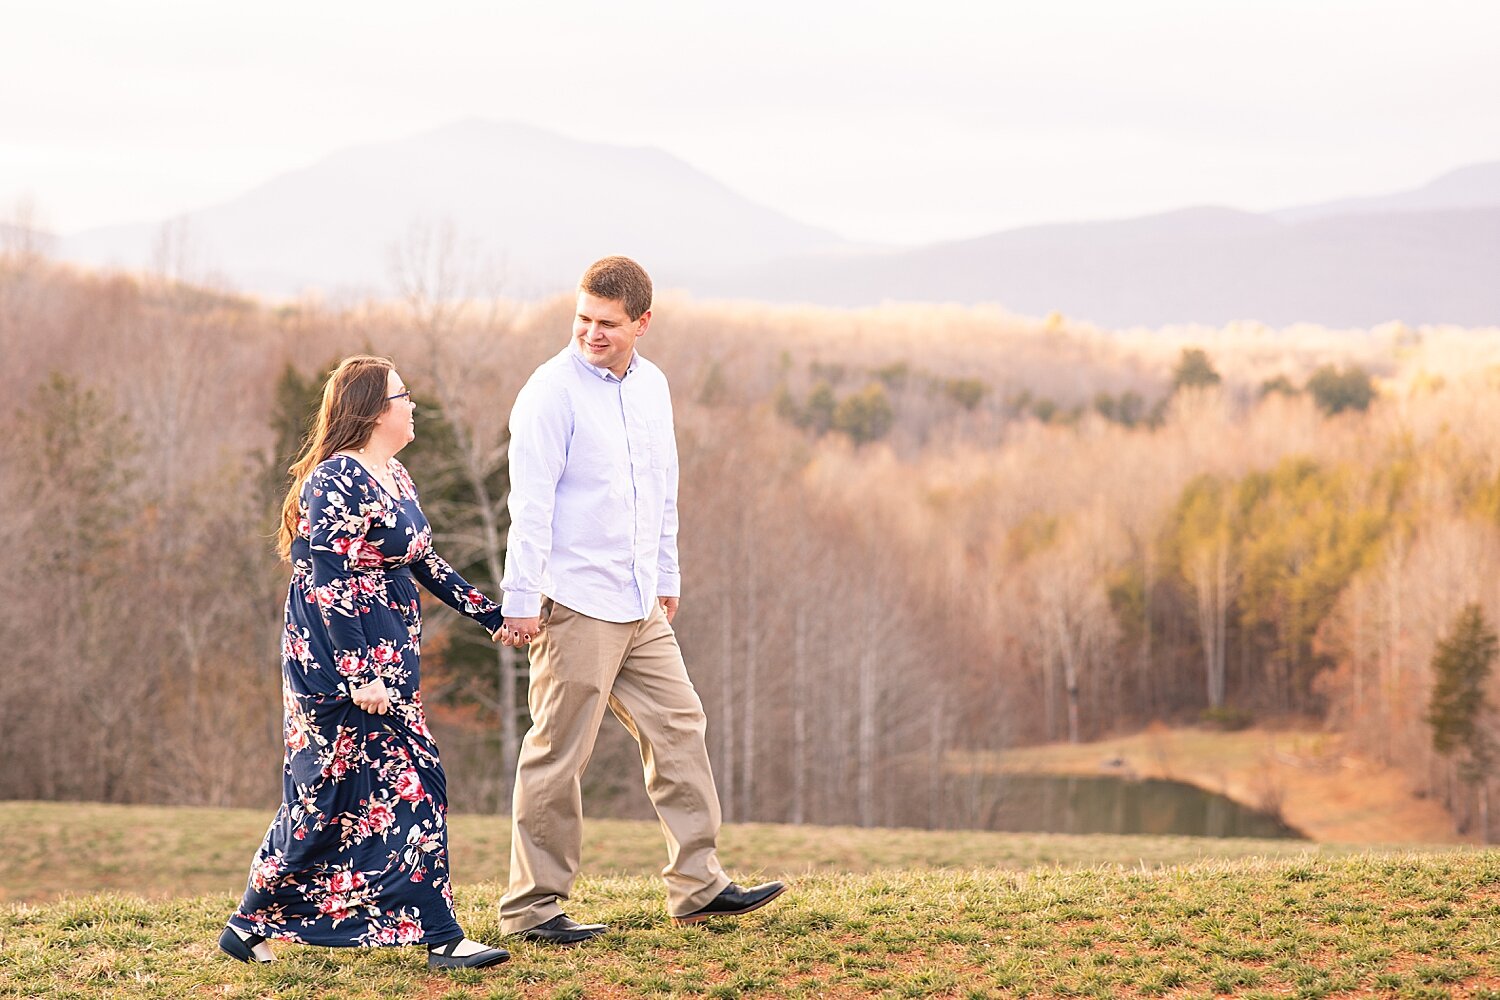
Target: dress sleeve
[341,506]
[444,582]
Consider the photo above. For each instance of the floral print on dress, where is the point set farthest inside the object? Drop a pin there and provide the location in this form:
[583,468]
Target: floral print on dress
[357,855]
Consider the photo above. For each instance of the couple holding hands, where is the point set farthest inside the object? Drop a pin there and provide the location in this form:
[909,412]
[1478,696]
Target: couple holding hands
[357,854]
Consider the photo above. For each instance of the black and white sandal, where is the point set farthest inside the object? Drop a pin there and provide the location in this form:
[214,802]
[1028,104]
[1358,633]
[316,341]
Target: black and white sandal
[241,948]
[440,956]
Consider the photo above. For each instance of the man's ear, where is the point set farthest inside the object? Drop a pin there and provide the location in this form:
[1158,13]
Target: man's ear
[645,321]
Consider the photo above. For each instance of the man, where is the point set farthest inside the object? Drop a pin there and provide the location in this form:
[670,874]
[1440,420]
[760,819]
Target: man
[591,583]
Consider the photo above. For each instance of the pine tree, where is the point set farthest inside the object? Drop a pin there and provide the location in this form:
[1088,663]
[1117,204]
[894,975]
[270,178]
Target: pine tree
[1194,370]
[1461,667]
[1336,391]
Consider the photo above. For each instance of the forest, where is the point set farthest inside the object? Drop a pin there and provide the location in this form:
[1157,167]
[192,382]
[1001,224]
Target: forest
[910,534]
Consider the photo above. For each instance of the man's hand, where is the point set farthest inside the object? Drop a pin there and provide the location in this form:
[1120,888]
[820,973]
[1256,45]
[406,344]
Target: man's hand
[519,631]
[669,605]
[372,697]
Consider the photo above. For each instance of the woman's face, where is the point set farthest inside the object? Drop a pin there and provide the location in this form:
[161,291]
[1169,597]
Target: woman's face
[398,424]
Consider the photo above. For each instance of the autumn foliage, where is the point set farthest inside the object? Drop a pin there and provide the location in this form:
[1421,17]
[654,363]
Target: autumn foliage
[906,531]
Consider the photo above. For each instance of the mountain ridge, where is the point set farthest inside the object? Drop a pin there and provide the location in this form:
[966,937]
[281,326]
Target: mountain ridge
[543,204]
[515,190]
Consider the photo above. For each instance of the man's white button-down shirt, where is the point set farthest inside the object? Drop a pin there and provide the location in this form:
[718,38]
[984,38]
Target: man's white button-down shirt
[593,491]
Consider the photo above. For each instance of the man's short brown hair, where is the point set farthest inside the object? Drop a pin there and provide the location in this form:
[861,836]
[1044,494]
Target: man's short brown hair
[621,280]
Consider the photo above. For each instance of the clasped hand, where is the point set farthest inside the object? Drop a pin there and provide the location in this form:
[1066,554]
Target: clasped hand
[372,697]
[518,631]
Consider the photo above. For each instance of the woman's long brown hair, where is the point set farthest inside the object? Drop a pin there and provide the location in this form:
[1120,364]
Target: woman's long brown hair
[354,397]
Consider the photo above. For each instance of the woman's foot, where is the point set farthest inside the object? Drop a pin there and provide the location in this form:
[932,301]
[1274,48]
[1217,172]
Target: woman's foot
[245,947]
[464,954]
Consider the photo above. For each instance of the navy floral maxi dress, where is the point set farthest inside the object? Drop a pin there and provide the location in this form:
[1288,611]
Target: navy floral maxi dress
[358,851]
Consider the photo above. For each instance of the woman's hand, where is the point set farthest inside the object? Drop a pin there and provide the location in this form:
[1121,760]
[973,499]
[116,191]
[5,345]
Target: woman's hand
[372,697]
[518,632]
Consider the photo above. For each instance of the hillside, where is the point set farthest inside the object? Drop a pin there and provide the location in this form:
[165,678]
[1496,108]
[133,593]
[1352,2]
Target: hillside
[1383,924]
[1476,186]
[1042,496]
[1205,265]
[51,849]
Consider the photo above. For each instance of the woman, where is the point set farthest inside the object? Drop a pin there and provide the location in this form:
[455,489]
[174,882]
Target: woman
[358,852]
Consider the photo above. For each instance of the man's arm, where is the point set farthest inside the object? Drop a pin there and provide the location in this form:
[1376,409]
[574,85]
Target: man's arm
[540,425]
[669,573]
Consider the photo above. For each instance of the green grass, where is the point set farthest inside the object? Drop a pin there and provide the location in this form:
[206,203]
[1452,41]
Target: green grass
[51,848]
[1004,916]
[1384,925]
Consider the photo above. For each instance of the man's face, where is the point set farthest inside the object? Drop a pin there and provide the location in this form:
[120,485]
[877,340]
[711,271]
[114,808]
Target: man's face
[605,333]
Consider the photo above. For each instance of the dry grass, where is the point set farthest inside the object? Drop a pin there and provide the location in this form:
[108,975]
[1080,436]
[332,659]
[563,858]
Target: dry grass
[53,849]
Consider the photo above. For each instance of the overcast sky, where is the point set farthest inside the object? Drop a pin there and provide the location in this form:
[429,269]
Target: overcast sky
[895,122]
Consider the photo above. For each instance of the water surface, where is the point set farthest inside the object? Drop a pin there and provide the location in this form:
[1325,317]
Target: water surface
[1045,803]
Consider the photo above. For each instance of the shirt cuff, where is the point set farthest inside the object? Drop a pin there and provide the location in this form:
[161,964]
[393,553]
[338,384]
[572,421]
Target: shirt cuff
[669,585]
[516,605]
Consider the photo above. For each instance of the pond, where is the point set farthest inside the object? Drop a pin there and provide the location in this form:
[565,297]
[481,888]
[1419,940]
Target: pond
[1044,803]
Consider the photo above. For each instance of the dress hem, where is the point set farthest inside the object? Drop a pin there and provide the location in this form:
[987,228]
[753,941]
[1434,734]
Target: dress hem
[430,939]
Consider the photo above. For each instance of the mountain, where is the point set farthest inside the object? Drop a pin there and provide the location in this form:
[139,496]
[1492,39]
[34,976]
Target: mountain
[1206,265]
[545,205]
[1477,186]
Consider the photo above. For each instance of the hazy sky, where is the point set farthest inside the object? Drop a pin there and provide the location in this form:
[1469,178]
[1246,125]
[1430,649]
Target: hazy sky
[886,121]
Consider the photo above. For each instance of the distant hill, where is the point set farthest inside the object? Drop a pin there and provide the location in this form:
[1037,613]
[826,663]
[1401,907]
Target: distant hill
[1468,187]
[1205,265]
[546,205]
[14,238]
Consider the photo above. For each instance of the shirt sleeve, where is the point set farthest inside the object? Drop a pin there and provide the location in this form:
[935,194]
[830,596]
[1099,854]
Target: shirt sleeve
[340,509]
[541,423]
[669,573]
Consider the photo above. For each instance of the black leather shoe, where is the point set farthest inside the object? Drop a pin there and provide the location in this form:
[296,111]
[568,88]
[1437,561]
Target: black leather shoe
[241,948]
[561,930]
[733,901]
[441,956]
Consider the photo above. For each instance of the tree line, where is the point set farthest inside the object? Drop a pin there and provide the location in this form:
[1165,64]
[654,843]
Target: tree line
[910,534]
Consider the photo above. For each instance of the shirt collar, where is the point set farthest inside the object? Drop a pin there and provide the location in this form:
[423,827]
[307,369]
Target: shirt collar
[602,373]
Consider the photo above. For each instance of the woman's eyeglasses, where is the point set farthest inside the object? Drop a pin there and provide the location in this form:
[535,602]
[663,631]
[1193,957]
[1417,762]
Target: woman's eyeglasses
[403,394]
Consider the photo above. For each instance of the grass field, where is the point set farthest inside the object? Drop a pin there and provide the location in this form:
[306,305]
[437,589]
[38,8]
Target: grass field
[871,913]
[48,849]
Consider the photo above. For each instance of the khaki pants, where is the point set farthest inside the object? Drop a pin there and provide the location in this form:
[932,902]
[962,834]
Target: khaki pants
[580,665]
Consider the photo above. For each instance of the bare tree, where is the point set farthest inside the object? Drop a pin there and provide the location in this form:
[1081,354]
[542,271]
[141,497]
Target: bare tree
[1213,571]
[464,330]
[24,239]
[1074,609]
